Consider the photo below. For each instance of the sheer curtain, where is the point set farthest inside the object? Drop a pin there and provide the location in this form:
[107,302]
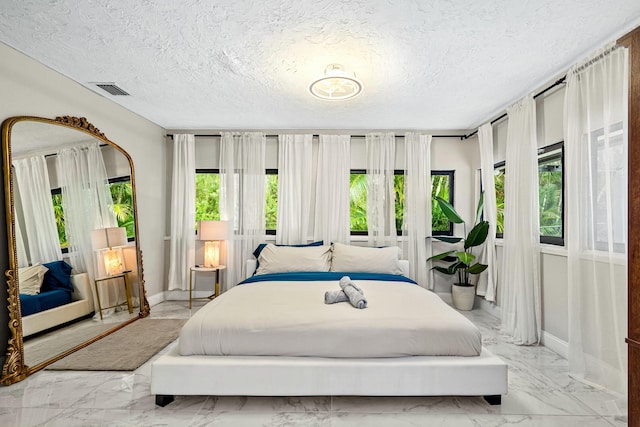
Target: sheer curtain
[242,197]
[34,213]
[294,188]
[596,179]
[183,211]
[521,310]
[332,214]
[381,210]
[87,205]
[487,280]
[417,206]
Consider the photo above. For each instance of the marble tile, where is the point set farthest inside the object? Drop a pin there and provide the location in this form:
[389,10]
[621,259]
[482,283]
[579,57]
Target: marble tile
[541,393]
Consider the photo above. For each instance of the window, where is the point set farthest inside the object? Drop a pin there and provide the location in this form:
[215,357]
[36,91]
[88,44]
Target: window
[609,181]
[498,179]
[122,196]
[208,197]
[442,186]
[551,193]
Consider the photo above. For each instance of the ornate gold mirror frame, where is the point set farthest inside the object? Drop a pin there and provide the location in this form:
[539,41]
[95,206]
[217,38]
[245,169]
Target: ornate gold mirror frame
[14,368]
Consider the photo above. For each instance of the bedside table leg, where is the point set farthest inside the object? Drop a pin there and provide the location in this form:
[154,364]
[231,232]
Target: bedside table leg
[127,291]
[98,299]
[216,289]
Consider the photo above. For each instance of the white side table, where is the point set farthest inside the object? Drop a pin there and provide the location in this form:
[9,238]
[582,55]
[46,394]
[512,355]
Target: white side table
[216,289]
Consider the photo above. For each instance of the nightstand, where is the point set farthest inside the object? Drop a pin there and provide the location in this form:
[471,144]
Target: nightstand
[198,269]
[127,290]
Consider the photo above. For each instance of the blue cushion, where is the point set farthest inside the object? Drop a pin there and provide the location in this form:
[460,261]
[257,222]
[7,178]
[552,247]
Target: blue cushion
[58,277]
[31,304]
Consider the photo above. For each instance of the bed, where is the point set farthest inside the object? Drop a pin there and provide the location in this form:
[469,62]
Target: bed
[273,335]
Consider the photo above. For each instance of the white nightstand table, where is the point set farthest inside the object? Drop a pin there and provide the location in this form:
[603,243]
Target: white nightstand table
[198,269]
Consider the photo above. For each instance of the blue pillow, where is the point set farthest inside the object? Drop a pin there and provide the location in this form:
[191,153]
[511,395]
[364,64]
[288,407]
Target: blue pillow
[57,277]
[261,246]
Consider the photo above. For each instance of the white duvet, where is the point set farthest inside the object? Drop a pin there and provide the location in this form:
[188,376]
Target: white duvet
[283,318]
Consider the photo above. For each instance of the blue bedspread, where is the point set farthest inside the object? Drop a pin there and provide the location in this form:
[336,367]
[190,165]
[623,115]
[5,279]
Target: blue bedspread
[325,276]
[30,304]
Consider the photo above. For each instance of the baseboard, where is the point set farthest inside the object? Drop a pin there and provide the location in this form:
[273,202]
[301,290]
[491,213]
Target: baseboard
[555,344]
[156,299]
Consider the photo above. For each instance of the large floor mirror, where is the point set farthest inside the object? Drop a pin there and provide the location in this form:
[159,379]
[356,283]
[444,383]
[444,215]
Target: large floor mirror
[75,266]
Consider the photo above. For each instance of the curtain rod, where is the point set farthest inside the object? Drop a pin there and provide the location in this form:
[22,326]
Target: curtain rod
[170,135]
[542,92]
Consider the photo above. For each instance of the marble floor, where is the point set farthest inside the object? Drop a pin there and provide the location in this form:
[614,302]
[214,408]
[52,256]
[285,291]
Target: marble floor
[540,394]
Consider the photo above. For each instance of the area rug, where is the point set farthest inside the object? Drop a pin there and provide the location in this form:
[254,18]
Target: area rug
[124,350]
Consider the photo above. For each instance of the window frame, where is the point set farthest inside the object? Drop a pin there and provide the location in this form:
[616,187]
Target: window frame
[449,173]
[554,240]
[115,180]
[268,232]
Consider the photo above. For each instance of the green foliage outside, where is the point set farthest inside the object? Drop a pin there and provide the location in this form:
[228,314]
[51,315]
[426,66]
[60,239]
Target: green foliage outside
[208,197]
[550,182]
[122,197]
[358,201]
[550,197]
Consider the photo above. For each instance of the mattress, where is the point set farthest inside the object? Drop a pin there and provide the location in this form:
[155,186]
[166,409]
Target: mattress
[289,318]
[31,304]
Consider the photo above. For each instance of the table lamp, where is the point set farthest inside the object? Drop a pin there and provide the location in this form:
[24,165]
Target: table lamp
[109,242]
[212,232]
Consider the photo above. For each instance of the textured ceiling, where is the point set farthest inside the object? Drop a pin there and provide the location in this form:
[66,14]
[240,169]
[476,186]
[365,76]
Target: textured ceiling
[235,64]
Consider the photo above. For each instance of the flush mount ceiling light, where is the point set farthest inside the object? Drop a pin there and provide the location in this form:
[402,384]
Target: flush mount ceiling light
[336,84]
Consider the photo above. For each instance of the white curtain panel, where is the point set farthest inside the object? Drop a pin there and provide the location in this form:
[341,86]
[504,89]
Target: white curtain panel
[242,197]
[521,310]
[36,210]
[87,205]
[183,211]
[294,188]
[381,216]
[417,207]
[487,280]
[596,229]
[332,214]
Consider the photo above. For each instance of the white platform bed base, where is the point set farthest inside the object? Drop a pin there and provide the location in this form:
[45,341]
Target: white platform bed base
[173,374]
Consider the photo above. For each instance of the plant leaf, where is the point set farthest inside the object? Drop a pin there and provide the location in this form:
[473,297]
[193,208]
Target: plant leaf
[450,259]
[449,211]
[477,268]
[442,270]
[477,235]
[465,257]
[438,257]
[455,267]
[448,239]
[480,207]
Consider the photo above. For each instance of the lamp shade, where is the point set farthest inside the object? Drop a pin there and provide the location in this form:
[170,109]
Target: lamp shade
[213,230]
[108,237]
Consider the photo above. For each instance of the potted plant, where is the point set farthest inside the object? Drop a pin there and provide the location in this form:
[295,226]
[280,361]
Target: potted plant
[462,261]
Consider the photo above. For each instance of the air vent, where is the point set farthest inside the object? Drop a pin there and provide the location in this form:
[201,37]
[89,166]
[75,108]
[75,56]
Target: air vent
[112,89]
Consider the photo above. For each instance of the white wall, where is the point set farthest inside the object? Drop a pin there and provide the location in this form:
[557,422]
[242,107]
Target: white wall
[29,88]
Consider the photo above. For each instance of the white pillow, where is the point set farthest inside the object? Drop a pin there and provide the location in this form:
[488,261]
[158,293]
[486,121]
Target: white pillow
[284,259]
[358,259]
[30,279]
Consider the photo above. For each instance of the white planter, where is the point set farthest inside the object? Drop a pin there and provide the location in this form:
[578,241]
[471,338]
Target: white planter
[463,296]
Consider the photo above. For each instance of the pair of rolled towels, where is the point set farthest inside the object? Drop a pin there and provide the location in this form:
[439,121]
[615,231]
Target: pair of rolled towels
[348,292]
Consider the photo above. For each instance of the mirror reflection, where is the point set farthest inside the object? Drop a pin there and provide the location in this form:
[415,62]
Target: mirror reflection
[74,226]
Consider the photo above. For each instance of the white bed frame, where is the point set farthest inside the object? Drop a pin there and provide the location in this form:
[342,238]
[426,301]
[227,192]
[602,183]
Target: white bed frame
[173,374]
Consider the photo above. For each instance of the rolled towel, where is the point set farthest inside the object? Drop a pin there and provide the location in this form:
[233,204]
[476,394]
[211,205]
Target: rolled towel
[332,297]
[356,298]
[346,280]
